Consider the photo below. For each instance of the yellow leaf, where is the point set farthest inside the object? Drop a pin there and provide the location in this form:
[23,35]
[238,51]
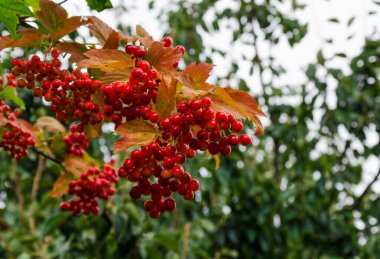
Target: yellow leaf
[106,60]
[61,185]
[166,97]
[134,133]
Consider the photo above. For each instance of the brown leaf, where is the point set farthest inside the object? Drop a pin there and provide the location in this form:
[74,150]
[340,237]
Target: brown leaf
[145,38]
[239,103]
[190,93]
[29,38]
[51,15]
[121,75]
[99,29]
[166,97]
[69,26]
[77,165]
[163,58]
[76,50]
[106,60]
[49,124]
[112,41]
[134,133]
[61,185]
[195,76]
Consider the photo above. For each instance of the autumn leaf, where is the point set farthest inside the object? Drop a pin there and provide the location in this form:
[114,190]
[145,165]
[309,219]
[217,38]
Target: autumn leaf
[76,50]
[166,97]
[134,133]
[145,38]
[121,75]
[70,25]
[99,29]
[163,58]
[29,38]
[239,103]
[190,93]
[106,59]
[195,76]
[61,185]
[49,124]
[217,161]
[112,41]
[51,15]
[77,165]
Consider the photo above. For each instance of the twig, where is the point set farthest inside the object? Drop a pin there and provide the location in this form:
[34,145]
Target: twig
[185,240]
[36,182]
[366,190]
[49,158]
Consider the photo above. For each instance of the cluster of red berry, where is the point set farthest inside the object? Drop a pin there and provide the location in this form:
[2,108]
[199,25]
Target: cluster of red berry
[92,184]
[70,94]
[195,126]
[15,140]
[131,100]
[75,142]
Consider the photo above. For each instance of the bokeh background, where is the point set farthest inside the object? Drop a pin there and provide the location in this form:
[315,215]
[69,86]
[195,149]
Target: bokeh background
[307,188]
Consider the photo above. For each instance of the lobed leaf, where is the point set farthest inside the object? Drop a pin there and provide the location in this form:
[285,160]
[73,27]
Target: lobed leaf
[51,15]
[99,29]
[9,11]
[69,25]
[166,97]
[145,38]
[29,38]
[163,58]
[76,50]
[61,185]
[195,76]
[10,93]
[134,133]
[239,103]
[49,124]
[106,59]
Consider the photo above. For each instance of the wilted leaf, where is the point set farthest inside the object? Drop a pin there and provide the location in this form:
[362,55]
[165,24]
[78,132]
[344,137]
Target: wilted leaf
[134,133]
[10,93]
[163,58]
[49,124]
[51,15]
[9,11]
[106,59]
[239,103]
[61,185]
[76,50]
[29,38]
[166,97]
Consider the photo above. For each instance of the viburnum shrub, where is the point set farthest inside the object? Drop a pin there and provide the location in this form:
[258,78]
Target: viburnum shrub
[163,115]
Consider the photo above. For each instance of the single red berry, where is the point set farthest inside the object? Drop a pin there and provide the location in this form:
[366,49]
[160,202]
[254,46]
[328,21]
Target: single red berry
[245,140]
[237,126]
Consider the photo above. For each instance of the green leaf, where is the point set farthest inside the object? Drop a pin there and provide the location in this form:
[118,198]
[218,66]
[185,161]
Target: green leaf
[99,5]
[9,93]
[334,20]
[34,4]
[9,9]
[350,21]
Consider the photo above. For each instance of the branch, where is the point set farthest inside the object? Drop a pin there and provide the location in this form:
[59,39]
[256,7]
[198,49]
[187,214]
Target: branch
[185,240]
[59,162]
[366,190]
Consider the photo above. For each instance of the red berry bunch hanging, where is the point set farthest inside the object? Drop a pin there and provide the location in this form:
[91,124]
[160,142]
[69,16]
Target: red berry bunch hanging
[15,140]
[75,142]
[91,186]
[132,99]
[194,127]
[70,94]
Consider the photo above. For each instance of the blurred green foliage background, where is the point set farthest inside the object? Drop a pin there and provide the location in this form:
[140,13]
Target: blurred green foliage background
[283,197]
